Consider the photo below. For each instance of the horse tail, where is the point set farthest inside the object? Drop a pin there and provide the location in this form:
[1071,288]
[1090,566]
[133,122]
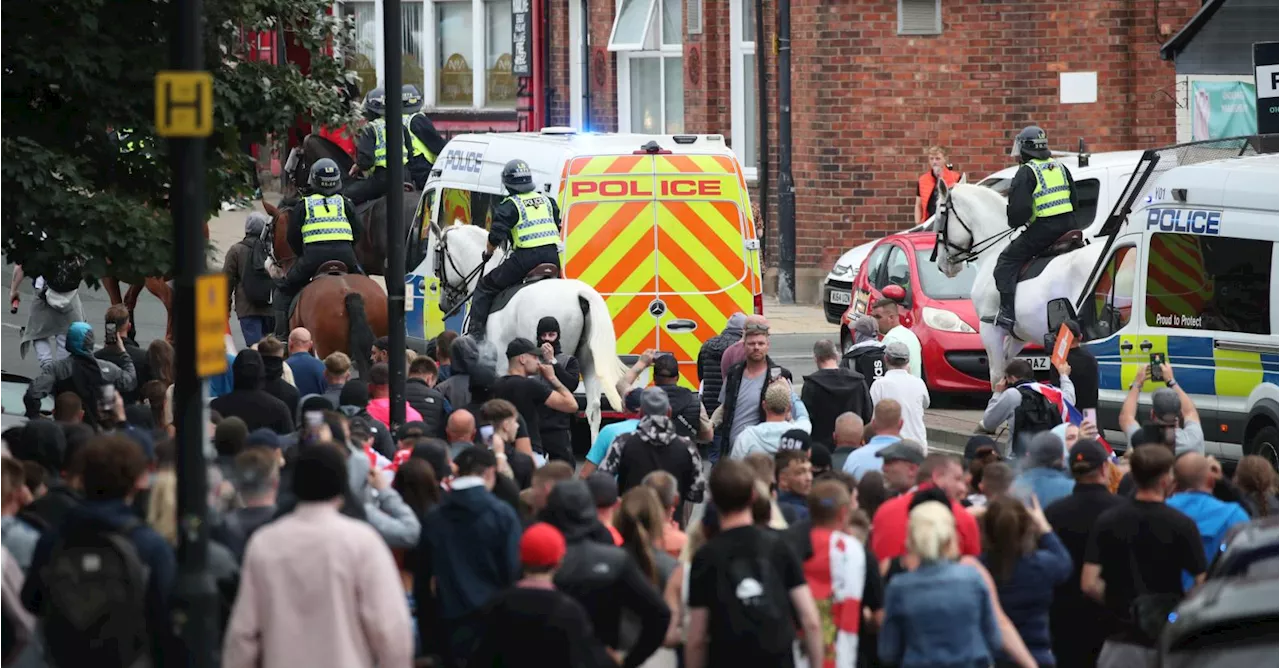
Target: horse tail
[600,344]
[359,334]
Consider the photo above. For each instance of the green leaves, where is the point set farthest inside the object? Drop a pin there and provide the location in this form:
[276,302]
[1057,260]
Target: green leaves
[77,71]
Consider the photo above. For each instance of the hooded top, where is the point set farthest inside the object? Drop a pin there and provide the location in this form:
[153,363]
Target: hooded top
[550,324]
[827,393]
[249,401]
[43,442]
[709,358]
[275,384]
[250,373]
[469,380]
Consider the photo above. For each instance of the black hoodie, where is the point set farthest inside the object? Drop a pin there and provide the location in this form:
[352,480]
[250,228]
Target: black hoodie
[602,577]
[469,381]
[249,402]
[828,393]
[276,385]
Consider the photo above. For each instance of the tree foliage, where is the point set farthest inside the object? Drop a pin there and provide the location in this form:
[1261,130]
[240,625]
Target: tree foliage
[77,70]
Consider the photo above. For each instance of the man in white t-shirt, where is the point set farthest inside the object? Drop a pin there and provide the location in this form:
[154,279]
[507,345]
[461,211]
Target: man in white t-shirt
[885,311]
[909,391]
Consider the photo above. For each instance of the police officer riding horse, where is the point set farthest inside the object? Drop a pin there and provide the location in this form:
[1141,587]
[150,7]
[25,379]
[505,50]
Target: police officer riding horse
[1042,196]
[530,222]
[323,227]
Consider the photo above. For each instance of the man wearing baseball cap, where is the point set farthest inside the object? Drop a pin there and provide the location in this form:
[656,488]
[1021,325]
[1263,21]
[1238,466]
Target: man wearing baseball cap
[908,390]
[1171,410]
[533,624]
[866,355]
[530,385]
[687,412]
[1078,624]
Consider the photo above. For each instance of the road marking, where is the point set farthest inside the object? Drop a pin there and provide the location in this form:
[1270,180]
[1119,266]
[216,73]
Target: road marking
[11,325]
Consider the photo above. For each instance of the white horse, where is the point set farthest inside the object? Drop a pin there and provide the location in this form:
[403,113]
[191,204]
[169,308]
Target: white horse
[973,226]
[586,327]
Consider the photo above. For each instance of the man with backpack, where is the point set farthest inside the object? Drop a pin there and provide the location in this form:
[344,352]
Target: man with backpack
[100,583]
[747,590]
[248,280]
[1024,404]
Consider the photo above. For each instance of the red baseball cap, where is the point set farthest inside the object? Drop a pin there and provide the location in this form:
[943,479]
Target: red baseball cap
[542,545]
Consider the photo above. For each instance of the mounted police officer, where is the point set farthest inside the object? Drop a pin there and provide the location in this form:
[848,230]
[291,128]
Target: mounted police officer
[371,151]
[531,222]
[1042,196]
[424,142]
[323,226]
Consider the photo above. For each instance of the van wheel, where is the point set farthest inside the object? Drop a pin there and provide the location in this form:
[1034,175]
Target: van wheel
[1264,443]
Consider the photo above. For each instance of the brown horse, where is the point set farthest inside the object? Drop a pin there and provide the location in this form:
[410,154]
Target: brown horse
[157,285]
[344,312]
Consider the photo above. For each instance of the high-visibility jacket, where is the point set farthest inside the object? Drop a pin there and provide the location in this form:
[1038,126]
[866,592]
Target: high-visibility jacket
[379,126]
[1052,196]
[127,143]
[326,220]
[419,147]
[925,186]
[537,226]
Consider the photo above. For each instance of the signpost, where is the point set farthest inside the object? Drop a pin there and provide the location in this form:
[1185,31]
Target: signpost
[184,115]
[1266,72]
[393,46]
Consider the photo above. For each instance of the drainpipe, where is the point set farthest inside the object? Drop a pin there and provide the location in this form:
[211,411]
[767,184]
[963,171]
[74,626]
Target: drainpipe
[762,106]
[586,66]
[786,185]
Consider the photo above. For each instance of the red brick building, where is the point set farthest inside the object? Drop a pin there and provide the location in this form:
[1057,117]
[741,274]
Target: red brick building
[874,82]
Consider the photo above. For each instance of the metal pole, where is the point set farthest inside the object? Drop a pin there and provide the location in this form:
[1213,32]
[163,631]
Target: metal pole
[786,184]
[586,66]
[762,110]
[392,50]
[195,598]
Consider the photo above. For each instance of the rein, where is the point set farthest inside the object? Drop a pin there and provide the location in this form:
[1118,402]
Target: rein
[269,234]
[461,294]
[962,254]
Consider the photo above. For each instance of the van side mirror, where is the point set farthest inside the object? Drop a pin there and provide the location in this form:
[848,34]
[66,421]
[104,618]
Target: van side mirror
[1058,311]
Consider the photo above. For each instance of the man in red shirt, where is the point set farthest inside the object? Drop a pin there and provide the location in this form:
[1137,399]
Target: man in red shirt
[927,184]
[889,527]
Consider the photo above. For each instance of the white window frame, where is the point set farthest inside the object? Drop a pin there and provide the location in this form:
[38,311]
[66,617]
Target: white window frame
[937,21]
[661,51]
[741,45]
[647,32]
[479,55]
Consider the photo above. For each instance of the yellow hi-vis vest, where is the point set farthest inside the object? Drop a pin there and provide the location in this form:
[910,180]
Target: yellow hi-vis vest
[127,143]
[379,126]
[1052,195]
[326,220]
[419,146]
[537,227]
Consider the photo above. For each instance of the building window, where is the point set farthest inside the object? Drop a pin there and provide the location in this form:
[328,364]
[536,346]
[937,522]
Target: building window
[743,79]
[500,83]
[413,44]
[455,54]
[363,50]
[919,17]
[648,36]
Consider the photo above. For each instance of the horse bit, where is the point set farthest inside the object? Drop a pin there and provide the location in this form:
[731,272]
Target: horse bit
[963,254]
[457,296]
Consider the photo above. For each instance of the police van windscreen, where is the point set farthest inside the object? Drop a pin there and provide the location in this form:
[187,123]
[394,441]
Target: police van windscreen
[1210,283]
[938,285]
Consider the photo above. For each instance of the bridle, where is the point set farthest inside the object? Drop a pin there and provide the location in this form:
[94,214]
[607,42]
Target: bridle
[945,209]
[455,296]
[269,236]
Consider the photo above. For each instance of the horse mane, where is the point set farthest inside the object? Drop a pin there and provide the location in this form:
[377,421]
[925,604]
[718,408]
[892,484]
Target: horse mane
[979,203]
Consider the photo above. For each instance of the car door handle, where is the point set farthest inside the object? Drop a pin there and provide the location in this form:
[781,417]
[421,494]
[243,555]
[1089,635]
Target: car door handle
[1126,346]
[680,326]
[1146,346]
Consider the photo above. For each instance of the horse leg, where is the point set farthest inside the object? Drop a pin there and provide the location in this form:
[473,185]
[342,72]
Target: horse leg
[112,286]
[160,288]
[993,341]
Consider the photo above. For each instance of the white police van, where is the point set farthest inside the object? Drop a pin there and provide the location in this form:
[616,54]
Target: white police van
[1193,274]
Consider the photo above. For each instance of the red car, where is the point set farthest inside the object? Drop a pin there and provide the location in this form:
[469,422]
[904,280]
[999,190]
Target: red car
[936,308]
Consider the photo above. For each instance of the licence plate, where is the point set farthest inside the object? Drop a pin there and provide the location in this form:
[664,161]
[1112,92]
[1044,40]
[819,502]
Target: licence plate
[840,297]
[1039,363]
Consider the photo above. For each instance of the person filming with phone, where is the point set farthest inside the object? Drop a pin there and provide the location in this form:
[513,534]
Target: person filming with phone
[95,381]
[118,327]
[1171,409]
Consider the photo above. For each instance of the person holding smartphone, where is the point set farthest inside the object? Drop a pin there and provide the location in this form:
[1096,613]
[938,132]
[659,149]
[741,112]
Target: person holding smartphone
[528,393]
[1171,409]
[82,374]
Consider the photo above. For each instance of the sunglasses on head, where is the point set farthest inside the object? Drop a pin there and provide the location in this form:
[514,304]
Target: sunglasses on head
[756,328]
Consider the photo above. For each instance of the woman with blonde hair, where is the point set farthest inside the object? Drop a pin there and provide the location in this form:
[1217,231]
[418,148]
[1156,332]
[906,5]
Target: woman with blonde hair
[940,613]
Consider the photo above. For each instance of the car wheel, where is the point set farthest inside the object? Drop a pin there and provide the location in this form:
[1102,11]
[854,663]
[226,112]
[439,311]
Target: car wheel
[1264,443]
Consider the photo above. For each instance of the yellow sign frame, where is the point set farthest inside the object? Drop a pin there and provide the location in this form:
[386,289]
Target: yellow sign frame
[184,103]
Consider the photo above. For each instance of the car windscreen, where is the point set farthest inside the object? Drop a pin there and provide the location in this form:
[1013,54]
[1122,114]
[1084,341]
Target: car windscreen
[937,285]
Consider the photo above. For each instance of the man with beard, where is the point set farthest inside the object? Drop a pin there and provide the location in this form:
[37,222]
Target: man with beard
[746,382]
[556,425]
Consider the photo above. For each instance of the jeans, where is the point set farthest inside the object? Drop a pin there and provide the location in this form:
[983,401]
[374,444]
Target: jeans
[51,349]
[254,327]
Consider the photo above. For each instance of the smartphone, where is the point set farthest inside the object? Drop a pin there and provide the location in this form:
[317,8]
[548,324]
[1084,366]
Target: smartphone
[486,433]
[314,419]
[110,338]
[1156,372]
[775,373]
[107,399]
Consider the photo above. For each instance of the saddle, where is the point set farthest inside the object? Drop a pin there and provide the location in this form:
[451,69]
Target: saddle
[1066,243]
[330,268]
[539,273]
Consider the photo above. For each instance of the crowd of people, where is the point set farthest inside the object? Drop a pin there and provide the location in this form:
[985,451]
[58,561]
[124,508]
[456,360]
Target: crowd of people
[750,523]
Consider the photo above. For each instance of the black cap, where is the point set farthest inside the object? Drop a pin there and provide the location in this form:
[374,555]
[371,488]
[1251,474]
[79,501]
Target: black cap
[520,346]
[902,451]
[795,439]
[320,474]
[1086,455]
[414,429]
[666,366]
[604,489]
[820,457]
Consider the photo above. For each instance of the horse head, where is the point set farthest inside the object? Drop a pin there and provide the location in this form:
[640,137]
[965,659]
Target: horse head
[459,262]
[281,256]
[969,219]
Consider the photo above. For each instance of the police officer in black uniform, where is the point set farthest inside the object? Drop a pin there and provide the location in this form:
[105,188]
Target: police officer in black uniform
[424,142]
[1042,196]
[323,226]
[371,151]
[530,222]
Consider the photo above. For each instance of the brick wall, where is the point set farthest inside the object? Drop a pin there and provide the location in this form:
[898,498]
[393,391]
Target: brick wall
[603,67]
[561,45]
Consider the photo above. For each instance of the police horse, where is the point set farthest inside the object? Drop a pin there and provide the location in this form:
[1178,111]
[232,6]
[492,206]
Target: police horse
[586,327]
[973,226]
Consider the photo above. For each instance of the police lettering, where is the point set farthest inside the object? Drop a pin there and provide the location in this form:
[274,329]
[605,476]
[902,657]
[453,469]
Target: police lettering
[1192,221]
[462,161]
[641,188]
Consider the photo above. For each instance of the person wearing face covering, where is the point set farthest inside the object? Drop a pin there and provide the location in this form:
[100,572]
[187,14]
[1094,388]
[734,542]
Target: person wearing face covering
[249,401]
[82,373]
[556,440]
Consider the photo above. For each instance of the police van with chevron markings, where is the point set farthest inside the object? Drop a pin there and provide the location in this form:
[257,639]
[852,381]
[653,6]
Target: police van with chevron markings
[660,225]
[1192,274]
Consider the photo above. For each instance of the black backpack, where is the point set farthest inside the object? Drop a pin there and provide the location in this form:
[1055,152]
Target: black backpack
[756,604]
[1035,414]
[94,607]
[255,280]
[686,411]
[868,361]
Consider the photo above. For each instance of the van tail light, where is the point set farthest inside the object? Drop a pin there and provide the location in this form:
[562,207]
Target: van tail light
[758,303]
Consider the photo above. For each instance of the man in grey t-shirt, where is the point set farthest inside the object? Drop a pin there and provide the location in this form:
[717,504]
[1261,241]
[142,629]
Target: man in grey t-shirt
[1170,407]
[746,410]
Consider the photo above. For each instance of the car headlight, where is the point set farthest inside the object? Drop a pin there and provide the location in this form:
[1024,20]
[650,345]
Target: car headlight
[945,321]
[842,270]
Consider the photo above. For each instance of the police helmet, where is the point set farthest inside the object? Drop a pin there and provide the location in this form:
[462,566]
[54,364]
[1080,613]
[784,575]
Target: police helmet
[1031,142]
[411,98]
[517,177]
[375,103]
[326,178]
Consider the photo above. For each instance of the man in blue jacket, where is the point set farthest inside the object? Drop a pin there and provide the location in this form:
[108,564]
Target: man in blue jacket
[1196,500]
[1045,474]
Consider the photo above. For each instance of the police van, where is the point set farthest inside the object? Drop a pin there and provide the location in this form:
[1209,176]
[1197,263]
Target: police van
[660,225]
[1192,274]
